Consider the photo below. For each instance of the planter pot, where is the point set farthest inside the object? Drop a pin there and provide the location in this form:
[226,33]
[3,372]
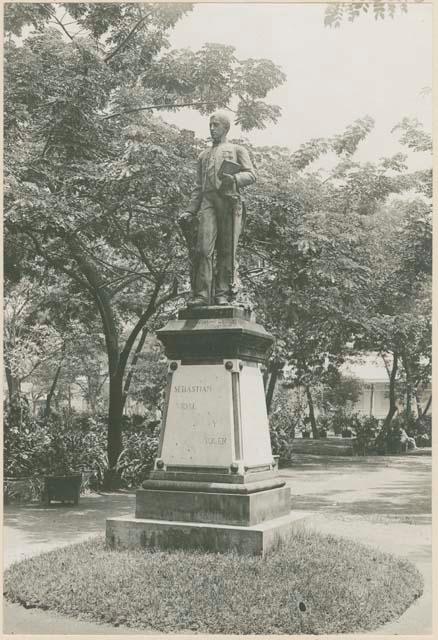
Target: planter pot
[62,488]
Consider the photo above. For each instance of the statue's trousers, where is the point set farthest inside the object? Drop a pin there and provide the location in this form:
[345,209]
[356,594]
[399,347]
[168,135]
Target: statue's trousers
[215,230]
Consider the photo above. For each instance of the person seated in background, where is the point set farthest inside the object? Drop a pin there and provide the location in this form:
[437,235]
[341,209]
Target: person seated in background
[407,441]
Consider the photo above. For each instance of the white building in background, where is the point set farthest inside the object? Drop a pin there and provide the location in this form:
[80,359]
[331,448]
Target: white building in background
[370,370]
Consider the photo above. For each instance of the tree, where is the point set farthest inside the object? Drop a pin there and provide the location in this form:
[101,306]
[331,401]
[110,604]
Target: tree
[399,323]
[306,254]
[94,181]
[400,318]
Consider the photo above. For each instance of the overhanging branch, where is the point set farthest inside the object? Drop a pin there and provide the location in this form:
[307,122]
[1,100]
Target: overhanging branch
[164,105]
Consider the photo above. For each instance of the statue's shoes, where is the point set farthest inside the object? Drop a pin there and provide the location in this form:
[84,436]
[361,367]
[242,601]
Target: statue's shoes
[197,302]
[221,300]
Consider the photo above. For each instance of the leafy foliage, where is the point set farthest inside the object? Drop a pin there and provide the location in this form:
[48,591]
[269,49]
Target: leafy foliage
[334,263]
[343,145]
[38,447]
[413,135]
[137,457]
[366,429]
[24,445]
[336,12]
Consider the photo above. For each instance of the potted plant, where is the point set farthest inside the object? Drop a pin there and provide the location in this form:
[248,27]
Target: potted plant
[62,478]
[64,488]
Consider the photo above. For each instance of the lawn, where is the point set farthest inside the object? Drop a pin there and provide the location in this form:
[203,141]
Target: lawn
[311,584]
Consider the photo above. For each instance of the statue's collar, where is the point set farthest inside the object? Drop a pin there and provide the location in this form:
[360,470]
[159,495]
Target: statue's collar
[217,144]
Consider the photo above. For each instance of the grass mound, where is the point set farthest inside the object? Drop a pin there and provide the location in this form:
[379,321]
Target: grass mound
[311,584]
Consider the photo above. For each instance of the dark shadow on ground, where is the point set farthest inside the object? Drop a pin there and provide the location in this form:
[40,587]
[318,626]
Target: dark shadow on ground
[41,523]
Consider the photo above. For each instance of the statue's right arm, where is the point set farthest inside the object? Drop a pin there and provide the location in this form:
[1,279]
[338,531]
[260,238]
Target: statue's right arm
[196,195]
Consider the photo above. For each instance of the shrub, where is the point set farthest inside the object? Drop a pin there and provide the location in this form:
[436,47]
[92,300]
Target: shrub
[56,445]
[341,420]
[25,443]
[323,423]
[282,431]
[338,398]
[138,456]
[366,429]
[423,434]
[75,443]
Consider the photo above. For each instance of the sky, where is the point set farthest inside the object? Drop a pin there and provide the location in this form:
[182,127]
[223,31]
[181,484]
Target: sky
[334,76]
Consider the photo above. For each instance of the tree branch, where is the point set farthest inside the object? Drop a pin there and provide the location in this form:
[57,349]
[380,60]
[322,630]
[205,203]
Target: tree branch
[58,263]
[126,280]
[164,105]
[102,300]
[134,361]
[59,23]
[137,25]
[149,311]
[39,363]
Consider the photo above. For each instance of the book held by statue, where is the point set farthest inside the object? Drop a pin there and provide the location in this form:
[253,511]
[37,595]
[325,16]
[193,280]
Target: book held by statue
[229,167]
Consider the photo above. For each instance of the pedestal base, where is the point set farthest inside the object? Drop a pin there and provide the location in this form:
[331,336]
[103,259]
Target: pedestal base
[127,532]
[215,484]
[213,508]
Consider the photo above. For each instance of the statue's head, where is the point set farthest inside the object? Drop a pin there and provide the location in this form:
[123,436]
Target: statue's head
[219,125]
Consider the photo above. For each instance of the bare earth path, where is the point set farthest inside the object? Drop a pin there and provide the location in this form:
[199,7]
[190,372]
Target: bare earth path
[381,501]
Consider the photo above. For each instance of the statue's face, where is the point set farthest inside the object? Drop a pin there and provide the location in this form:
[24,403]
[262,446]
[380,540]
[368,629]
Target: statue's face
[218,129]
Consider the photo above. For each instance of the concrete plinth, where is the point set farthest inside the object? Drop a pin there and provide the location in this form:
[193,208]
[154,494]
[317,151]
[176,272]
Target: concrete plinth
[215,483]
[218,508]
[134,533]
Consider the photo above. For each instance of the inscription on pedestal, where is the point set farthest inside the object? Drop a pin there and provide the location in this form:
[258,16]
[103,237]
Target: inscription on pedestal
[199,421]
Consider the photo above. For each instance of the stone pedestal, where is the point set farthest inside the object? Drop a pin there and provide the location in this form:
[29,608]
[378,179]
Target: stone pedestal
[215,483]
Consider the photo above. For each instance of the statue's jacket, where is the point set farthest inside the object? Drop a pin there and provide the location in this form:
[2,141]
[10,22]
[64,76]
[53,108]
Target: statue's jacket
[225,151]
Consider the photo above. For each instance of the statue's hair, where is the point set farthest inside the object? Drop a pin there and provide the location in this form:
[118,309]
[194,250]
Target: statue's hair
[223,117]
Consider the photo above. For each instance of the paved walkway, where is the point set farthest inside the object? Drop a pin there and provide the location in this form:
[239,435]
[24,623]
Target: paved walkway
[384,502]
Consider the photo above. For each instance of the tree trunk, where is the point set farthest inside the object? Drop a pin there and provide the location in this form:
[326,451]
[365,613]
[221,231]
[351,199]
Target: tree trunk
[392,398]
[14,386]
[52,391]
[91,395]
[418,404]
[134,361]
[275,369]
[408,390]
[311,412]
[115,415]
[408,407]
[427,407]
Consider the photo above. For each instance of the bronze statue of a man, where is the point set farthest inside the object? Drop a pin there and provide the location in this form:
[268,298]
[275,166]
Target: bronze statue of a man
[222,171]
